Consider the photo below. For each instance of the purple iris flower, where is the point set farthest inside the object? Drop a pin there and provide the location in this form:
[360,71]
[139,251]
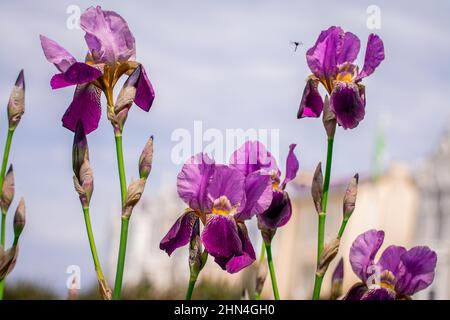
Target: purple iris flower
[331,61]
[252,158]
[398,274]
[222,198]
[111,54]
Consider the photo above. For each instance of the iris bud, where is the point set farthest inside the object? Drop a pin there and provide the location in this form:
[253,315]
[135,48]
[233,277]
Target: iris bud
[19,218]
[329,252]
[7,190]
[329,119]
[16,104]
[146,159]
[134,194]
[350,197]
[337,280]
[317,188]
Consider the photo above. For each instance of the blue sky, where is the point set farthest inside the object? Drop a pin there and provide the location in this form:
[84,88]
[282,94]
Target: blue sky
[229,64]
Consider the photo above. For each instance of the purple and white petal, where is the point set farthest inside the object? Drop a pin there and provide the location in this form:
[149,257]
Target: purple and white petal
[85,107]
[347,104]
[416,270]
[363,251]
[291,166]
[278,213]
[77,73]
[220,236]
[107,35]
[311,105]
[253,156]
[179,234]
[258,195]
[56,54]
[374,56]
[193,180]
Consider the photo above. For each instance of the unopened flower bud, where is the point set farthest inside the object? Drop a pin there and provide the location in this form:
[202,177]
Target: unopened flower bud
[84,183]
[7,260]
[350,197]
[134,194]
[16,104]
[329,119]
[19,218]
[337,280]
[317,188]
[329,252]
[146,159]
[7,190]
[80,150]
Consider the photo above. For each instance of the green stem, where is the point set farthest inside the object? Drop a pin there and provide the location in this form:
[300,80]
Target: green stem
[125,221]
[322,216]
[121,258]
[261,260]
[2,283]
[190,290]
[342,229]
[5,157]
[87,220]
[272,271]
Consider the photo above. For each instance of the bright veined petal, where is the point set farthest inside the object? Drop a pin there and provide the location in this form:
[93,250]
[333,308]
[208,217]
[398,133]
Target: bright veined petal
[107,35]
[374,55]
[220,236]
[85,107]
[363,251]
[416,270]
[347,104]
[193,180]
[56,54]
[179,234]
[253,156]
[77,73]
[311,105]
[144,92]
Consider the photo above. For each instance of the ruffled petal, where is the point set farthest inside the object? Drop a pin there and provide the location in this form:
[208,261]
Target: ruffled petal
[379,294]
[56,54]
[229,182]
[374,55]
[77,73]
[350,48]
[220,236]
[291,166]
[144,92]
[253,156]
[193,180]
[107,35]
[258,195]
[347,104]
[179,234]
[363,251]
[322,58]
[311,105]
[85,107]
[416,270]
[279,212]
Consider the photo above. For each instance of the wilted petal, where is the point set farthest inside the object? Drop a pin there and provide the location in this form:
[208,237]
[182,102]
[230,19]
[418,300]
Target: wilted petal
[56,54]
[107,35]
[348,105]
[279,212]
[193,180]
[77,73]
[322,58]
[229,182]
[220,236]
[363,251]
[180,233]
[253,156]
[258,195]
[291,166]
[311,105]
[379,294]
[390,259]
[239,262]
[350,48]
[85,107]
[416,270]
[144,92]
[374,55]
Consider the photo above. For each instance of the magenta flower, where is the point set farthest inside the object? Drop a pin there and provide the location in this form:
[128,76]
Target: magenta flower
[222,199]
[398,274]
[252,158]
[331,61]
[111,54]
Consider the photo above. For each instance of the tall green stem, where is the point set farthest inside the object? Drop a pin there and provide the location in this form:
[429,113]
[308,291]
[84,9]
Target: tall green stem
[342,229]
[2,177]
[261,260]
[272,271]
[322,216]
[121,258]
[98,268]
[194,276]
